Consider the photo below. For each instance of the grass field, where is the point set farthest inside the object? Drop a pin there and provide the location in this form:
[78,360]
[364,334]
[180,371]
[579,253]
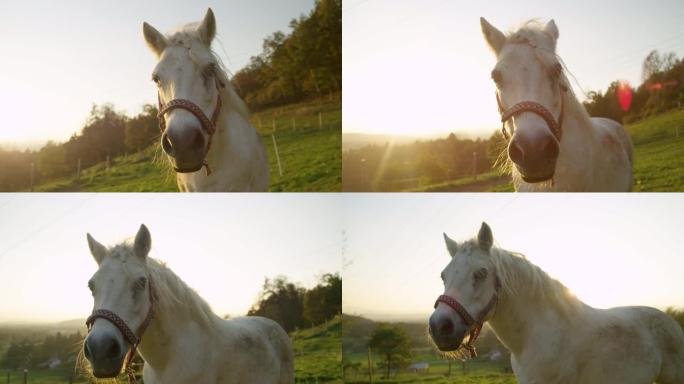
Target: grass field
[318,353]
[479,371]
[658,159]
[318,357]
[310,156]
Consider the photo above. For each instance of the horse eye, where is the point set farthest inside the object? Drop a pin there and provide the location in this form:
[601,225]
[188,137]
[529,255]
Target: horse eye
[480,274]
[155,78]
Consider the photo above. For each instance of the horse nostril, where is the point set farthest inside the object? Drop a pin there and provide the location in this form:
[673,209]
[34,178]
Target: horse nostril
[446,327]
[516,153]
[113,350]
[167,146]
[550,150]
[86,351]
[198,140]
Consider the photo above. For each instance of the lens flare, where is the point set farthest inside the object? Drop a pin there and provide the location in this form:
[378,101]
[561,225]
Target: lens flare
[624,94]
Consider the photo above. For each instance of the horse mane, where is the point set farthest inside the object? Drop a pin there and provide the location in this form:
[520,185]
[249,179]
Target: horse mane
[519,277]
[172,295]
[187,36]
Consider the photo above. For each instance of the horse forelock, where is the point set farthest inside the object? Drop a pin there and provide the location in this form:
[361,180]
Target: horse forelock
[187,37]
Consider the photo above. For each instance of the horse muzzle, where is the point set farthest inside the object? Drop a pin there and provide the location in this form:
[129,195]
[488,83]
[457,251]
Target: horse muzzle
[106,355]
[536,159]
[446,334]
[187,148]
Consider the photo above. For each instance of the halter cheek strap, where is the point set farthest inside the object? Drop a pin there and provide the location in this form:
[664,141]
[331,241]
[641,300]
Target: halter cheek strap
[208,125]
[130,336]
[475,325]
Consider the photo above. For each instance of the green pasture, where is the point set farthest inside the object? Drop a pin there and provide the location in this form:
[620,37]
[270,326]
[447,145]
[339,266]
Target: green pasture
[310,155]
[658,160]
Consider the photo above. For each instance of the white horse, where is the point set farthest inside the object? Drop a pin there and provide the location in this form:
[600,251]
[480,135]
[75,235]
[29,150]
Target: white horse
[180,338]
[554,144]
[204,121]
[553,336]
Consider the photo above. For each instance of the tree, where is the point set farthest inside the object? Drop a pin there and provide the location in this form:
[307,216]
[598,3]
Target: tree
[142,129]
[282,302]
[324,301]
[393,344]
[678,315]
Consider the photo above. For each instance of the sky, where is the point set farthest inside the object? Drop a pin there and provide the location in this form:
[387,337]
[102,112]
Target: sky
[608,249]
[422,68]
[59,58]
[221,245]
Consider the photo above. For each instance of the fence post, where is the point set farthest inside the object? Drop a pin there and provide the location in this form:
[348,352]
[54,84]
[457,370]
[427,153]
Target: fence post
[78,169]
[320,121]
[33,171]
[275,146]
[370,367]
[25,376]
[475,165]
[107,166]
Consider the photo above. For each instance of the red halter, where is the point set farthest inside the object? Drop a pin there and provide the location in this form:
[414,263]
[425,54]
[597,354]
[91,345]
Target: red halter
[130,336]
[208,125]
[474,324]
[556,127]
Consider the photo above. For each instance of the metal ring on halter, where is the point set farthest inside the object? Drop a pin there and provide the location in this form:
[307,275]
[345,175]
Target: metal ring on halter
[130,336]
[208,125]
[474,324]
[555,126]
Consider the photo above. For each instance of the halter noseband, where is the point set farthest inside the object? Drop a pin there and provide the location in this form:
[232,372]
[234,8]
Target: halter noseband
[474,324]
[133,338]
[208,125]
[556,127]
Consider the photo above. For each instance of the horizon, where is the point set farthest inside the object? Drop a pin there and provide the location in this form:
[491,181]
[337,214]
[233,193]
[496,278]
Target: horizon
[611,226]
[241,240]
[94,53]
[429,60]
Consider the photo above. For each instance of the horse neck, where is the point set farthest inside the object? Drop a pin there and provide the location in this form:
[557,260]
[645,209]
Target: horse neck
[172,320]
[519,313]
[227,130]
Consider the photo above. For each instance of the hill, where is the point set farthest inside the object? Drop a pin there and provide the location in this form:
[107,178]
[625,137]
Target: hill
[318,355]
[309,147]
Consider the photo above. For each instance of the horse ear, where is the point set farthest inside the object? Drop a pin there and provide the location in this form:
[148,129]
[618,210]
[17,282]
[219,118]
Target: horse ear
[485,239]
[493,36]
[451,245]
[552,30]
[96,249]
[143,242]
[207,30]
[155,40]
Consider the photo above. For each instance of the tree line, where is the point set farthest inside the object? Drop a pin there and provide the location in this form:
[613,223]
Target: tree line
[27,353]
[399,167]
[304,64]
[106,133]
[295,307]
[662,89]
